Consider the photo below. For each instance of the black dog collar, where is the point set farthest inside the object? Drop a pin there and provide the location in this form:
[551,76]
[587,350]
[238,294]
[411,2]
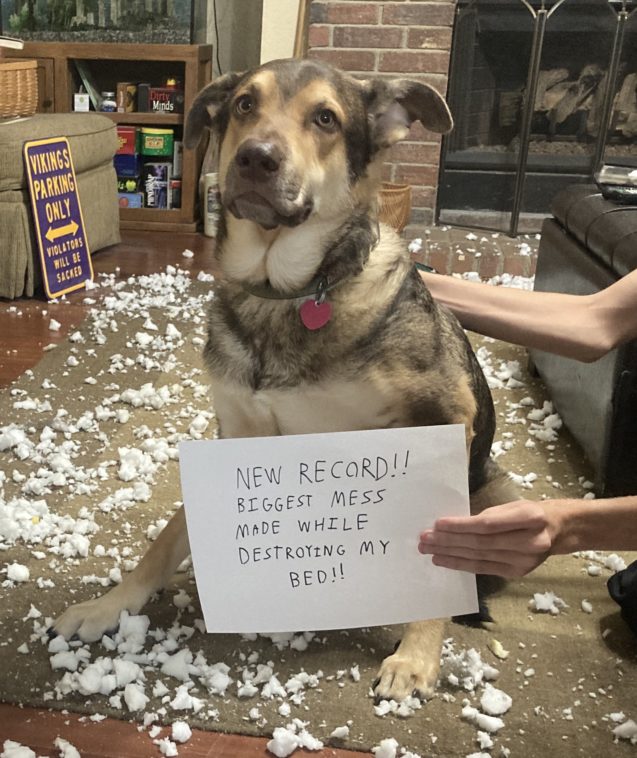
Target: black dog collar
[317,288]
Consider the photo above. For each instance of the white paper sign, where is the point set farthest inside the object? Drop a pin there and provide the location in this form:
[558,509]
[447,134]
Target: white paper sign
[320,531]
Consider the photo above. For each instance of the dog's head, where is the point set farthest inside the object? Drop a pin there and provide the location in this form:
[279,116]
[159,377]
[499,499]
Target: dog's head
[299,137]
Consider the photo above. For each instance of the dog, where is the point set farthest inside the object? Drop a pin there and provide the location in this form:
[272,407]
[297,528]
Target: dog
[320,323]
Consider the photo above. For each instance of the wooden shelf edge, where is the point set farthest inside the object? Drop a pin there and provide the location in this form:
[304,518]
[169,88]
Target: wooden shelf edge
[144,118]
[125,50]
[158,226]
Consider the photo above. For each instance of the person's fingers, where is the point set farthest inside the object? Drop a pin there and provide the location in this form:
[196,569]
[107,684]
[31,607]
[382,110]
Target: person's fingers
[509,557]
[482,567]
[521,541]
[498,518]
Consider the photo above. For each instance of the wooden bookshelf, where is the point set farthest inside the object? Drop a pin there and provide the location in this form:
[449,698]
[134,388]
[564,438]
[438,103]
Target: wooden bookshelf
[113,62]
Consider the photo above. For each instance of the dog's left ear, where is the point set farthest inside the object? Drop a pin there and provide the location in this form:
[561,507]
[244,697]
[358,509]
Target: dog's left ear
[393,105]
[204,112]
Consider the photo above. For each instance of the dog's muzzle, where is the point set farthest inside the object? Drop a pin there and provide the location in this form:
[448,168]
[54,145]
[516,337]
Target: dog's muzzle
[259,187]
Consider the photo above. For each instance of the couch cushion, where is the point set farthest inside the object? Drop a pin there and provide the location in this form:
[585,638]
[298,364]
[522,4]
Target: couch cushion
[607,229]
[93,141]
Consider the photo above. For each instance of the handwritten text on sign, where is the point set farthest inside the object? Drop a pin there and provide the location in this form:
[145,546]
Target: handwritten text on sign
[64,253]
[320,531]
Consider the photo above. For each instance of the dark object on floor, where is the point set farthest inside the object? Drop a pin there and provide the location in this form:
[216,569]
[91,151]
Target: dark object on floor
[622,587]
[589,244]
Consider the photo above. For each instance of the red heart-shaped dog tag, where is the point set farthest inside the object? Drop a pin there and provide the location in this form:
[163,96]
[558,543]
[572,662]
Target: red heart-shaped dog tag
[315,315]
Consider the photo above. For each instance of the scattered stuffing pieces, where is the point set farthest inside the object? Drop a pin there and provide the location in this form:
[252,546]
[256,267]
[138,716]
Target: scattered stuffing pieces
[388,748]
[11,749]
[494,702]
[404,709]
[627,731]
[482,721]
[66,749]
[46,452]
[464,669]
[16,572]
[285,740]
[547,602]
[167,747]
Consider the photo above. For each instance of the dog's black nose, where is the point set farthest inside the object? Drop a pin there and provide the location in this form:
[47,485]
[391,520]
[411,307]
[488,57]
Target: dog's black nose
[258,161]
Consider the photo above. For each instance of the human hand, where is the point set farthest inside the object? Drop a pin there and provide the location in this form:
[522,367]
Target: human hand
[507,540]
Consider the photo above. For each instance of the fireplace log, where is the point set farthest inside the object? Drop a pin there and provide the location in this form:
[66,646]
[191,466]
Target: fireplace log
[578,95]
[625,107]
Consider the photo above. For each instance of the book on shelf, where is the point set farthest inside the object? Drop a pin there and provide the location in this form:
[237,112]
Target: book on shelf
[89,83]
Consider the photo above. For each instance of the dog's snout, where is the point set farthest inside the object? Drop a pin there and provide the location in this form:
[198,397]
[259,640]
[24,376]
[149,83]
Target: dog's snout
[258,161]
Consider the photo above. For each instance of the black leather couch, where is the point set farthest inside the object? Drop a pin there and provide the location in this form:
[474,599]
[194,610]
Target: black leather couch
[588,244]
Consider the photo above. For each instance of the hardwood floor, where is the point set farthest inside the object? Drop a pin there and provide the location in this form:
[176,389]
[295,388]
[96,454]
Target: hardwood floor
[24,335]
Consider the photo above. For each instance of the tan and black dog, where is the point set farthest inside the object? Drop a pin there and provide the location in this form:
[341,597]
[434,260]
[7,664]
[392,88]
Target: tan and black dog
[321,322]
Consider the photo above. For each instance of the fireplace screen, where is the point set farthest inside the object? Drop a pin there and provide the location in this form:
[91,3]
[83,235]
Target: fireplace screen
[543,94]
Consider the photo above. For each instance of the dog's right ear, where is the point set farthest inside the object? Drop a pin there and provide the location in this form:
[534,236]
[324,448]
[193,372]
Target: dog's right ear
[204,112]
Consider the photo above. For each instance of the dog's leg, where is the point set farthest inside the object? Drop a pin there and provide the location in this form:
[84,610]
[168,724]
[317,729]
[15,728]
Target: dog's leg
[414,667]
[90,620]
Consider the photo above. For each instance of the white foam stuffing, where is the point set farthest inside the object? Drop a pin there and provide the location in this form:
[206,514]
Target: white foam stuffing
[285,740]
[167,747]
[547,602]
[494,702]
[626,731]
[12,749]
[483,721]
[181,731]
[46,452]
[387,748]
[67,750]
[16,572]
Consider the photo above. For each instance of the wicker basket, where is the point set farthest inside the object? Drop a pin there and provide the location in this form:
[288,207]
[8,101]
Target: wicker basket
[18,87]
[394,205]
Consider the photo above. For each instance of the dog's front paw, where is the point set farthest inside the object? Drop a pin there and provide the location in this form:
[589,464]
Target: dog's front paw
[92,619]
[402,675]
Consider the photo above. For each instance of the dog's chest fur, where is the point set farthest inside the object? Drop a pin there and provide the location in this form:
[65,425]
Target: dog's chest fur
[388,357]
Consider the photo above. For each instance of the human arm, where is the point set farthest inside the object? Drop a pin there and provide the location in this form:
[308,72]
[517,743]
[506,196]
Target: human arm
[511,540]
[584,327]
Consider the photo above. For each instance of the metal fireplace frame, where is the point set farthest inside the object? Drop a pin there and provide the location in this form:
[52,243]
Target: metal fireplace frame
[541,14]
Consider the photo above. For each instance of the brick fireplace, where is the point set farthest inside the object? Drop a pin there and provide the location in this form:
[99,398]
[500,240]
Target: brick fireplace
[400,38]
[510,151]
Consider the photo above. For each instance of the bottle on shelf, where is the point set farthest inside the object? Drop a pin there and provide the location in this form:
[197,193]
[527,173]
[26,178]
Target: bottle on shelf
[212,207]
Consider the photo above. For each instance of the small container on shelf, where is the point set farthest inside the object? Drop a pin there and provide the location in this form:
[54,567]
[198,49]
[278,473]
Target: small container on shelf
[212,207]
[157,142]
[108,104]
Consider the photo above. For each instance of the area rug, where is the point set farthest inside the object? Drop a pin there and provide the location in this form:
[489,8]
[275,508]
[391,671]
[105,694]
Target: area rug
[88,476]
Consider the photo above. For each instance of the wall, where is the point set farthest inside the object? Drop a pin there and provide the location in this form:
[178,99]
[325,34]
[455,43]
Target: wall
[239,24]
[405,38]
[278,29]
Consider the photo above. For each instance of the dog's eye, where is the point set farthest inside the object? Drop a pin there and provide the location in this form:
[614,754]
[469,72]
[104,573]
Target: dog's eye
[243,105]
[325,118]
